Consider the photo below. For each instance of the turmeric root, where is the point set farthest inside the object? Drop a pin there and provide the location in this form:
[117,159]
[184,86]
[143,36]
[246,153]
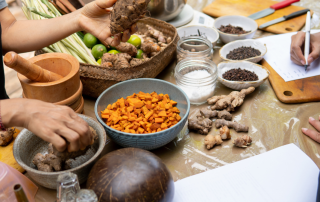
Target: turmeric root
[231,101]
[6,136]
[125,47]
[208,113]
[136,61]
[149,47]
[125,13]
[210,141]
[242,141]
[201,125]
[230,124]
[122,61]
[225,133]
[157,34]
[108,57]
[54,160]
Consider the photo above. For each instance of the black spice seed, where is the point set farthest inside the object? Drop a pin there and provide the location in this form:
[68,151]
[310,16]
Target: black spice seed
[240,75]
[229,29]
[242,53]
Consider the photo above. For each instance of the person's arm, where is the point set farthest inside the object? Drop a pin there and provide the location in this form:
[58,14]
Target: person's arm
[52,123]
[30,35]
[297,48]
[313,134]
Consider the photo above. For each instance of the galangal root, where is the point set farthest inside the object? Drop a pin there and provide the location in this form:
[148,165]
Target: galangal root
[125,13]
[208,113]
[201,125]
[231,101]
[57,161]
[242,141]
[210,141]
[6,136]
[230,124]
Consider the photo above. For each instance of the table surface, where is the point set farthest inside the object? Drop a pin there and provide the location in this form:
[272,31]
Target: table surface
[272,124]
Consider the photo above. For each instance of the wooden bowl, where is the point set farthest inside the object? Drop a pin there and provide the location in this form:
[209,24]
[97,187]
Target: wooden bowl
[57,91]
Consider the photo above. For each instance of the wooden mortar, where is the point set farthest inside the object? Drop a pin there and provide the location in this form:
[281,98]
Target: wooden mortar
[56,91]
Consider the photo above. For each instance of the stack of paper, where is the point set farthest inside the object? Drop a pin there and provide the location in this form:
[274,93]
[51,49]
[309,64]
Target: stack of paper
[285,174]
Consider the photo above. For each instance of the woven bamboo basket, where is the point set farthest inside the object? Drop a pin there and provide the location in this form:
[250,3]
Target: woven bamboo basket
[96,79]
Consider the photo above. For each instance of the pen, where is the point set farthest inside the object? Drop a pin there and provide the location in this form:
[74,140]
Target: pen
[307,41]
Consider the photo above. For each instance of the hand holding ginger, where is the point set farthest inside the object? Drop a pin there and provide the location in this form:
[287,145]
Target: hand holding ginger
[52,123]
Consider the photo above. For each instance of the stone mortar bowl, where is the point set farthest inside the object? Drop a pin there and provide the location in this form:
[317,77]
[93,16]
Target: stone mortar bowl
[27,145]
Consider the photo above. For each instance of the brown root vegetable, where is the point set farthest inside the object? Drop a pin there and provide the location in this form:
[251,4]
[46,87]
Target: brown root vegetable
[149,47]
[108,57]
[201,125]
[136,61]
[157,34]
[131,174]
[225,133]
[125,47]
[125,13]
[231,101]
[122,61]
[242,141]
[230,124]
[6,136]
[208,113]
[54,160]
[107,65]
[210,141]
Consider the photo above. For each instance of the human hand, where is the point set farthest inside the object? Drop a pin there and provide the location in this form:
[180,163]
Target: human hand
[95,19]
[52,123]
[315,135]
[297,48]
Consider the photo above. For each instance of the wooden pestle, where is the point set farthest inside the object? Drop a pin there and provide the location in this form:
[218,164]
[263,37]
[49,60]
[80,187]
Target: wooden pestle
[28,69]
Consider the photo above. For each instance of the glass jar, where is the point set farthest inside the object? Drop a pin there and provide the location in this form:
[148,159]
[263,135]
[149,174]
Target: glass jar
[194,46]
[197,87]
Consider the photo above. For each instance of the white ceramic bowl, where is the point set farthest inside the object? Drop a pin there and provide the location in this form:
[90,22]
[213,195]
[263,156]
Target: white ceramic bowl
[236,20]
[211,34]
[259,70]
[248,43]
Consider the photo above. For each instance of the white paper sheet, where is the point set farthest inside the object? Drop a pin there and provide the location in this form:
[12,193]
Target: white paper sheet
[278,57]
[285,174]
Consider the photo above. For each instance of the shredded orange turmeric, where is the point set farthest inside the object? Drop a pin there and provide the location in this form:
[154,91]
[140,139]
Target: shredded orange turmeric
[142,113]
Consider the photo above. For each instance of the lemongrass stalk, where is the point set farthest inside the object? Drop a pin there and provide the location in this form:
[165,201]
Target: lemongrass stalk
[52,49]
[81,43]
[77,57]
[33,10]
[47,50]
[80,54]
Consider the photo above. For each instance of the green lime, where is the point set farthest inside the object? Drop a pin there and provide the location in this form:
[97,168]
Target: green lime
[90,40]
[135,40]
[139,54]
[113,52]
[98,51]
[99,61]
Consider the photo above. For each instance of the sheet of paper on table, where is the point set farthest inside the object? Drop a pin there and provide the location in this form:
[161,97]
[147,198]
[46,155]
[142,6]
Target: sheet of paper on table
[278,57]
[285,174]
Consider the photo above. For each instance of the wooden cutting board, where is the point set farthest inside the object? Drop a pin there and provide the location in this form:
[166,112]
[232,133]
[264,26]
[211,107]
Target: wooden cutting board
[297,91]
[6,154]
[247,7]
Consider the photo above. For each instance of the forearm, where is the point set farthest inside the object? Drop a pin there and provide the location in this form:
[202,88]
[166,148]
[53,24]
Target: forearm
[30,35]
[12,113]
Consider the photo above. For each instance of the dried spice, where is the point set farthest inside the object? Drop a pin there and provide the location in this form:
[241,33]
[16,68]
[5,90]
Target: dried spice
[240,75]
[229,29]
[242,53]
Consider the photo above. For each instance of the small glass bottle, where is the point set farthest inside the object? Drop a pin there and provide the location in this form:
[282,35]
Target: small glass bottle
[86,195]
[198,89]
[194,46]
[67,187]
[20,195]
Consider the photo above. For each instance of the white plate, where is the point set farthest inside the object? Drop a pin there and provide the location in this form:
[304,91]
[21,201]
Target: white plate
[248,43]
[259,70]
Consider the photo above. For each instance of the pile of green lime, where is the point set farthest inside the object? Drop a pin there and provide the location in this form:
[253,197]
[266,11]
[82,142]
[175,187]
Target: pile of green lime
[98,49]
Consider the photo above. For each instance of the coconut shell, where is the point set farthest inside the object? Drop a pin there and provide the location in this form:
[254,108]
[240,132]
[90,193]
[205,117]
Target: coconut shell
[125,13]
[131,174]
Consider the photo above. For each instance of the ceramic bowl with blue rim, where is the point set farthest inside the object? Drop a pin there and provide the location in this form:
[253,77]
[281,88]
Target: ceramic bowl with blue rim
[151,140]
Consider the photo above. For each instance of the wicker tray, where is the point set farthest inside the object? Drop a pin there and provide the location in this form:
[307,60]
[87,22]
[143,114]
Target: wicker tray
[96,79]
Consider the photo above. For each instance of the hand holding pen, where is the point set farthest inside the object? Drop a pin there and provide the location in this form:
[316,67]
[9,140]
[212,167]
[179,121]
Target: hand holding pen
[298,43]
